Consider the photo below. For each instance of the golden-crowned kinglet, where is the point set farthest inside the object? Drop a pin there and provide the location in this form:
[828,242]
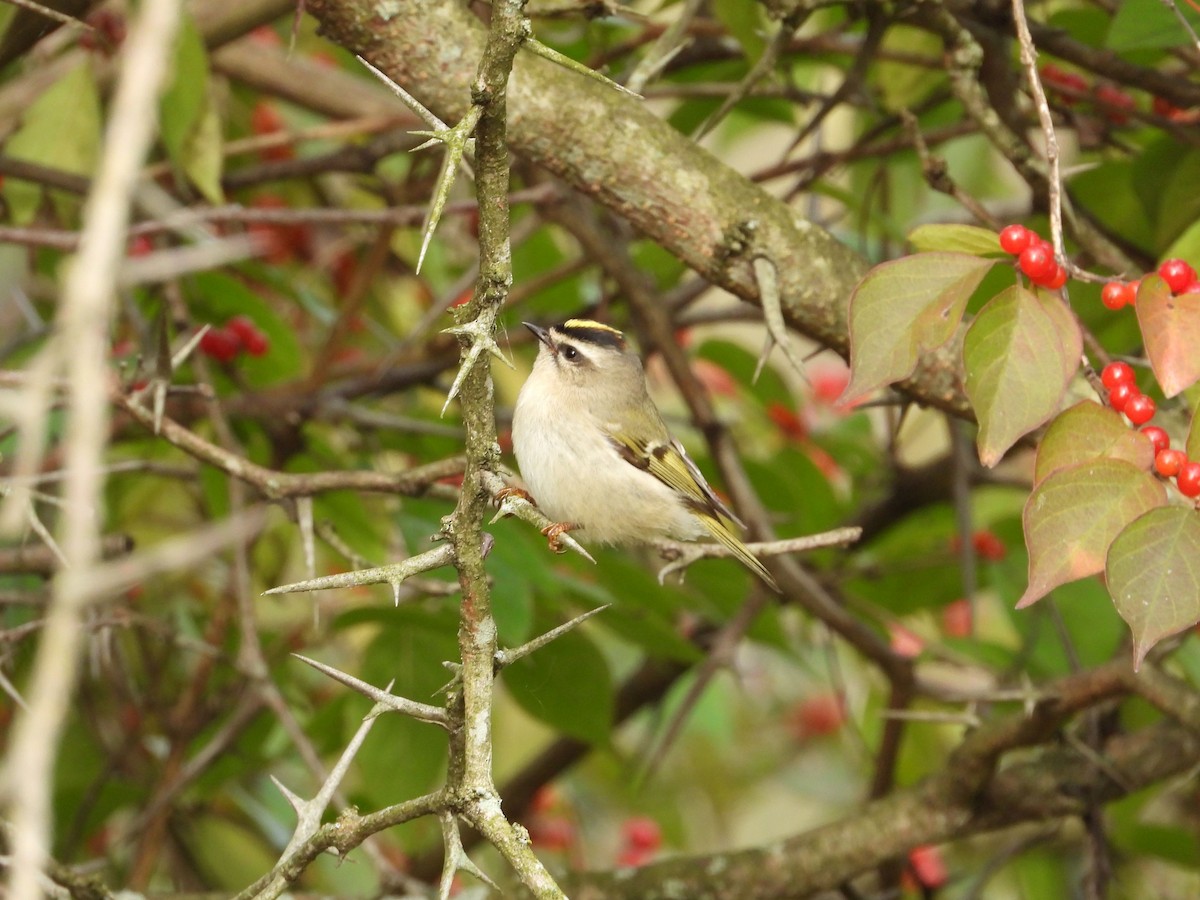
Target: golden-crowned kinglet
[596,454]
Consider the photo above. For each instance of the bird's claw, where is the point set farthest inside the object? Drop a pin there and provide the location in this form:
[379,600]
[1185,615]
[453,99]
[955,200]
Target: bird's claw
[553,531]
[506,493]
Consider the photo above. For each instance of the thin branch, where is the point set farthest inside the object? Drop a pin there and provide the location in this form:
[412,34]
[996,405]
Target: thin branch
[88,296]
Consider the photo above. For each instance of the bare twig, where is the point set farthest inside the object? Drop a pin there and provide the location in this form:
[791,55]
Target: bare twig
[83,328]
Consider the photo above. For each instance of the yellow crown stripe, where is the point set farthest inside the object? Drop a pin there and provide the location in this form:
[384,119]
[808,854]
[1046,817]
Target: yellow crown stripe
[590,325]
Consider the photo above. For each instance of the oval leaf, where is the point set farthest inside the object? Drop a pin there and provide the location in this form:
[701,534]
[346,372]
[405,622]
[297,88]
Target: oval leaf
[1067,327]
[1019,356]
[955,239]
[1153,575]
[904,308]
[1073,516]
[61,129]
[1171,330]
[1090,431]
[565,684]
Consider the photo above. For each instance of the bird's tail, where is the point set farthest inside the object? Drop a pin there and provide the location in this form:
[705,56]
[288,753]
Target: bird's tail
[724,535]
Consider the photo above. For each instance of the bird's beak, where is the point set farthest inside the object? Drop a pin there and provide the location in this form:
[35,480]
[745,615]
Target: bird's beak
[540,333]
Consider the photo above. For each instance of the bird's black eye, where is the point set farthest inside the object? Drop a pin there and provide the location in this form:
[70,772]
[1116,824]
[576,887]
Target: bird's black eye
[569,352]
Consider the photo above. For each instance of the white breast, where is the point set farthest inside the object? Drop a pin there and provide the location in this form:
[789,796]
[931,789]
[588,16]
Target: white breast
[575,475]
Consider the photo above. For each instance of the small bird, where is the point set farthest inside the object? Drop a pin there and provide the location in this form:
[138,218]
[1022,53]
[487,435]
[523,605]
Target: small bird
[597,456]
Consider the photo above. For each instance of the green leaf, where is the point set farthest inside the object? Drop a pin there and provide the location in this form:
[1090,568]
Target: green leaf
[61,130]
[1090,431]
[1073,516]
[1149,25]
[565,684]
[1153,574]
[1019,355]
[969,239]
[904,308]
[1171,328]
[904,85]
[402,757]
[202,158]
[1067,327]
[745,23]
[183,102]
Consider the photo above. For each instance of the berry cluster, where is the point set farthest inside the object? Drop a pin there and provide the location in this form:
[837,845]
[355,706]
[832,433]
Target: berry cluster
[1035,256]
[1179,276]
[1071,87]
[1124,397]
[240,333]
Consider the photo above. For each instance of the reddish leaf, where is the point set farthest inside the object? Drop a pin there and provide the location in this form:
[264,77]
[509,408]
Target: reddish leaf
[1171,330]
[1072,517]
[1089,431]
[1019,355]
[902,309]
[1153,575]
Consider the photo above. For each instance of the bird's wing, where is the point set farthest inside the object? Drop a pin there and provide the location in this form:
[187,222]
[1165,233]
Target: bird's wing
[667,461]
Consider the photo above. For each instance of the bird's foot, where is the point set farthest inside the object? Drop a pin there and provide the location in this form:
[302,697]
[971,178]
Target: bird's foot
[553,531]
[508,492]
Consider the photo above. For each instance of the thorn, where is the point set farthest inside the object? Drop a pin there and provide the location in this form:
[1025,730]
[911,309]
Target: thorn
[508,657]
[296,802]
[482,338]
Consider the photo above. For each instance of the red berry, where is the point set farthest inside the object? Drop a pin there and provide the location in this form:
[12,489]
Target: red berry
[545,799]
[253,341]
[1036,262]
[1159,439]
[1193,288]
[905,643]
[1117,373]
[1140,409]
[786,420]
[280,242]
[988,546]
[817,715]
[140,245]
[265,119]
[266,36]
[107,32]
[1056,279]
[1115,103]
[956,619]
[1071,84]
[1119,397]
[220,344]
[242,326]
[1168,462]
[642,833]
[1015,238]
[1188,479]
[256,343]
[927,866]
[552,833]
[1177,274]
[1117,294]
[1164,107]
